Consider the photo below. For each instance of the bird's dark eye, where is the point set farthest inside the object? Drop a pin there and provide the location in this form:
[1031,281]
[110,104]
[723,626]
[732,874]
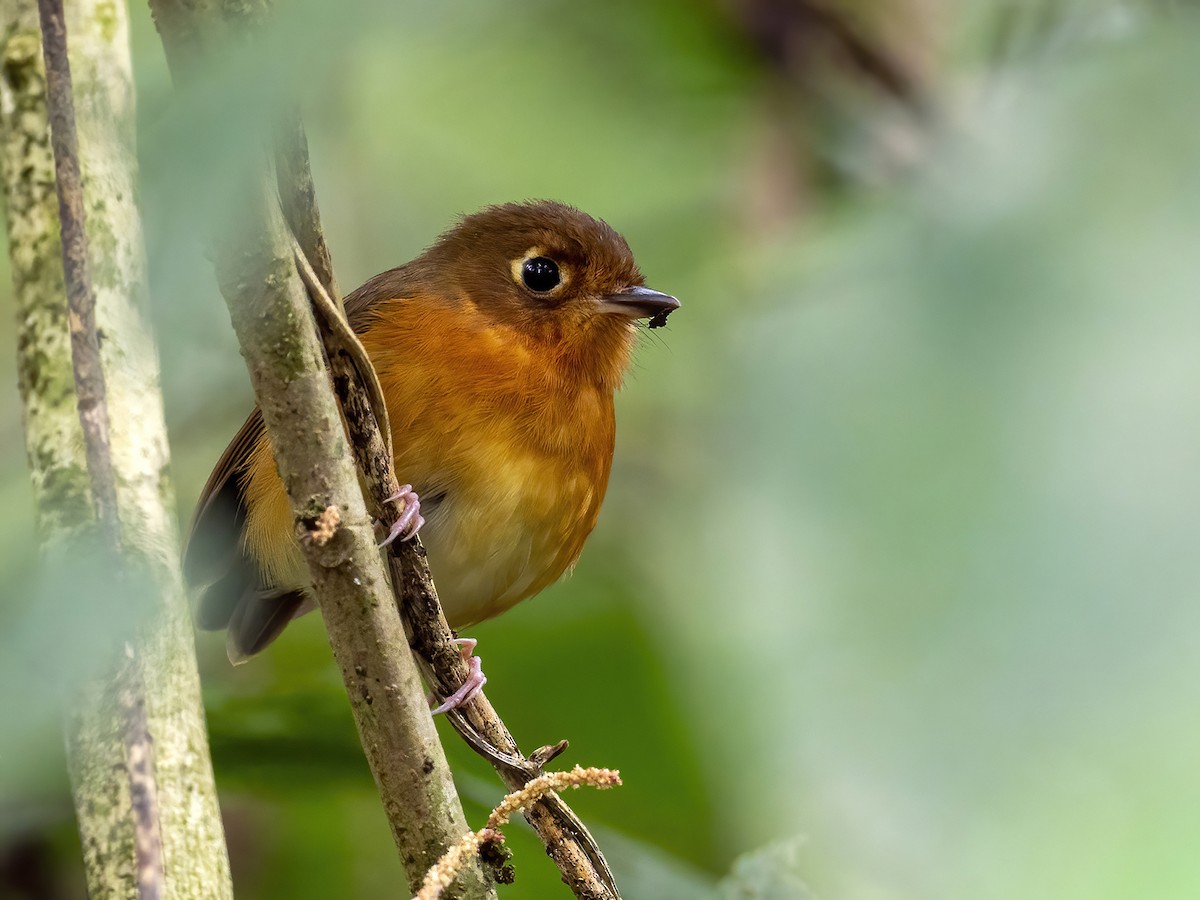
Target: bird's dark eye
[540,274]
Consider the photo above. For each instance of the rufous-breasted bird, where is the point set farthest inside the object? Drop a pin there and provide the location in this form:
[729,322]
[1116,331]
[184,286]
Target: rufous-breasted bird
[498,351]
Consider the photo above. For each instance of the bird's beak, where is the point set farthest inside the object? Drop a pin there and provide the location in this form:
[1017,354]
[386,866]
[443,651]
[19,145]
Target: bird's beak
[640,303]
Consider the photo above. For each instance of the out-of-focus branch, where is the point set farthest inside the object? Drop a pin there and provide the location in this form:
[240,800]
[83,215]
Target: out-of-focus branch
[137,749]
[274,323]
[796,37]
[91,399]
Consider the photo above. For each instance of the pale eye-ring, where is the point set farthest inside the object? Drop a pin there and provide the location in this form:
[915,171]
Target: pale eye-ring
[540,274]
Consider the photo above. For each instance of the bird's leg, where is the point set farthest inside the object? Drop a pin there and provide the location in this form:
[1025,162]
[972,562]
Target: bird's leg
[406,527]
[410,520]
[475,678]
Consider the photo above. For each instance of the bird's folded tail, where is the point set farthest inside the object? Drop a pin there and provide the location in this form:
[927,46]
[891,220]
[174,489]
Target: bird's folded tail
[235,596]
[259,618]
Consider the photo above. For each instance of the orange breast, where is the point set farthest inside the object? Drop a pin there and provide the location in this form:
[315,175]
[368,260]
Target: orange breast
[509,448]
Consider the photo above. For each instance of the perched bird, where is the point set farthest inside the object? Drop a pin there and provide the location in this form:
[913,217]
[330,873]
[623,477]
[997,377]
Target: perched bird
[498,351]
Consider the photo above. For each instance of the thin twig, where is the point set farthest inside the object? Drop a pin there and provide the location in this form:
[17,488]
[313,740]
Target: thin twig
[340,339]
[567,840]
[298,198]
[92,402]
[274,321]
[81,301]
[443,873]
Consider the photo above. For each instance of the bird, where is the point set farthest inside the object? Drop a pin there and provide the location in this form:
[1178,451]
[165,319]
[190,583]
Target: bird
[498,350]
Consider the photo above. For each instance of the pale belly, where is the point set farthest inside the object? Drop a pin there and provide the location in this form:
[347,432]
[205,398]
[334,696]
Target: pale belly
[500,541]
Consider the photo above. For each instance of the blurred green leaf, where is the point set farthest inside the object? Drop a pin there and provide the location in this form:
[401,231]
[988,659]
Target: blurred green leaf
[770,873]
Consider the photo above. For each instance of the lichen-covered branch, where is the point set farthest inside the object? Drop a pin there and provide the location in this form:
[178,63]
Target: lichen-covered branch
[169,710]
[567,840]
[274,324]
[279,340]
[91,401]
[91,398]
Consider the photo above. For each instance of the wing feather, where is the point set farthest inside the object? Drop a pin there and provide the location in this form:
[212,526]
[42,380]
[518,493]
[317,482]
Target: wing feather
[236,594]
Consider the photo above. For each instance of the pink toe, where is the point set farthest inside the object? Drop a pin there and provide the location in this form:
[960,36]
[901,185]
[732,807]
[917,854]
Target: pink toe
[410,520]
[401,494]
[472,686]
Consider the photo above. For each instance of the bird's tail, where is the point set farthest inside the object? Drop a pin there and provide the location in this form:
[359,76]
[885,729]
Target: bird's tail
[235,595]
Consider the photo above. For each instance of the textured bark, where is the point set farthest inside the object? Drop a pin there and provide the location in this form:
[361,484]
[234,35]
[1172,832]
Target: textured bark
[194,855]
[279,340]
[567,840]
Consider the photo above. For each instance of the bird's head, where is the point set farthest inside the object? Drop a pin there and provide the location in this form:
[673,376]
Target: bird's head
[556,274]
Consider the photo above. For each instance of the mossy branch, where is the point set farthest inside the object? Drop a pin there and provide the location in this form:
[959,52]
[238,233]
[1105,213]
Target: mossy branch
[274,323]
[567,840]
[137,747]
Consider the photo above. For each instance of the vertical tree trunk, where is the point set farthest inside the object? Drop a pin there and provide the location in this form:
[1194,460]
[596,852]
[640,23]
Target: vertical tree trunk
[273,319]
[195,861]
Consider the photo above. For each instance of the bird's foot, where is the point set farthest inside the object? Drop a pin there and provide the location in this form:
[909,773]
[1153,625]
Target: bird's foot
[410,521]
[475,678]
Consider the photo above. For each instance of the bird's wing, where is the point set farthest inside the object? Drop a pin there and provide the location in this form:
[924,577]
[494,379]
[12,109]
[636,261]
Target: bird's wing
[237,595]
[216,524]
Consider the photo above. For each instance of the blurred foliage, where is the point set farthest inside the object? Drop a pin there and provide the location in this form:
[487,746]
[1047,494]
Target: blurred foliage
[898,551]
[771,873]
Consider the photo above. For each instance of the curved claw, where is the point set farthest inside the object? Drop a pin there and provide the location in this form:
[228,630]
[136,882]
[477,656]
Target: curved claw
[410,521]
[474,683]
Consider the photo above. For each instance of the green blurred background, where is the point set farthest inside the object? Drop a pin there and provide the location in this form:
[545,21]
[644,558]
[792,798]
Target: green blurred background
[895,590]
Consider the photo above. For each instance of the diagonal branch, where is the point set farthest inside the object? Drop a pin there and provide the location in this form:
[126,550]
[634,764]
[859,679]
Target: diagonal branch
[274,323]
[182,23]
[442,875]
[567,840]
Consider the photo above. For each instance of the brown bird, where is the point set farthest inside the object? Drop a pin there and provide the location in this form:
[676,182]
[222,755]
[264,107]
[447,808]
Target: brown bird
[498,351]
